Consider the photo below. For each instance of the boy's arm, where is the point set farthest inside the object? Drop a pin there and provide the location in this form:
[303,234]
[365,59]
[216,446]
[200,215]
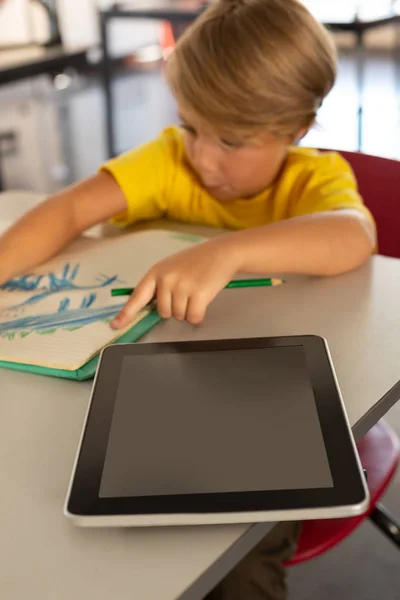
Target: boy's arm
[45,230]
[326,243]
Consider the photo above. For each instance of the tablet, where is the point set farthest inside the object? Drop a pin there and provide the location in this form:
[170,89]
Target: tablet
[224,431]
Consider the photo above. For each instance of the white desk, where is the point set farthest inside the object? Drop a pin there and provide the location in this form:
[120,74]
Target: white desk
[44,557]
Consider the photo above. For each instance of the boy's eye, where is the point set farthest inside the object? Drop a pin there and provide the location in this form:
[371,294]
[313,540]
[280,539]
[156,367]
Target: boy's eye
[230,143]
[226,143]
[189,129]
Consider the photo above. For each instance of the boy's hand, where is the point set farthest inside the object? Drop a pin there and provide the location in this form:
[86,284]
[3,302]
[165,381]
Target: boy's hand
[184,284]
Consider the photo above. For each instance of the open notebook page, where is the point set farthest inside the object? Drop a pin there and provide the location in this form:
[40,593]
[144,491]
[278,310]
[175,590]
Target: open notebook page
[58,316]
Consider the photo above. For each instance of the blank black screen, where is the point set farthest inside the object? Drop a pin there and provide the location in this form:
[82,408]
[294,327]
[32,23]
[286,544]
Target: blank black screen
[214,422]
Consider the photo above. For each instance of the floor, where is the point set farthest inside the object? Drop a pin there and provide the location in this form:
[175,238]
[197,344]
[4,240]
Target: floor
[61,138]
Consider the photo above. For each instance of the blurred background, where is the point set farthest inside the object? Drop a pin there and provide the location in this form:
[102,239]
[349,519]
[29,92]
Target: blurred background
[64,109]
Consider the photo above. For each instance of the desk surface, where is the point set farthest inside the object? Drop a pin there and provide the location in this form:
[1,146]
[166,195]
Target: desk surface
[45,557]
[42,555]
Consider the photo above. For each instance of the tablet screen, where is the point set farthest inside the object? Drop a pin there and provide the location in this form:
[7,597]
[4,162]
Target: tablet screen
[225,417]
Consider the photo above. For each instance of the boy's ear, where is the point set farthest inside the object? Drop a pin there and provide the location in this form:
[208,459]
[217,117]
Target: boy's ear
[302,132]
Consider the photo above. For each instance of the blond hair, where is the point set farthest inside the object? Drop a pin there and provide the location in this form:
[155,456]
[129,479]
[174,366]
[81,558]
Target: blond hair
[247,65]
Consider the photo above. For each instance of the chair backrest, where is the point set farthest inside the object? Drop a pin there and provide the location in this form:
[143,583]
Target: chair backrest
[379,184]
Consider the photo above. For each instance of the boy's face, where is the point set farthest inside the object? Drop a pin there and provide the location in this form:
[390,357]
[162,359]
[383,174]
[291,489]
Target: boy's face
[230,169]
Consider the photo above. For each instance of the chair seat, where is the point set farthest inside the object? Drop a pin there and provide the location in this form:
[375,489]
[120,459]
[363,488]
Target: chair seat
[379,452]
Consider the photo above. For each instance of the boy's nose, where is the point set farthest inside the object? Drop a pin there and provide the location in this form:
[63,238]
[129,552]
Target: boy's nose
[205,161]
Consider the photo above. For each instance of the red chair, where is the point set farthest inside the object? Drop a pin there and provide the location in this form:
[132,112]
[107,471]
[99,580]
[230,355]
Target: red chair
[379,450]
[166,39]
[379,184]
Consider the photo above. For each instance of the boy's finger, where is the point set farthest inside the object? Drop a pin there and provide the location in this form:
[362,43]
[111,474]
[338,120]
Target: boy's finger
[196,309]
[179,306]
[164,301]
[142,295]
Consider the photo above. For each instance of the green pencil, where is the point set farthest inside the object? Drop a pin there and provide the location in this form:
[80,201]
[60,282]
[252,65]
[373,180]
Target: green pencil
[236,283]
[245,283]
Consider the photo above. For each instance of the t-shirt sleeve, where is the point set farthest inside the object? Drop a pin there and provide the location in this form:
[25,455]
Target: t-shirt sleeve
[141,175]
[330,186]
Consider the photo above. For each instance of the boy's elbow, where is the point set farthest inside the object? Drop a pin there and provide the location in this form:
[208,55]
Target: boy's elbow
[365,249]
[361,245]
[365,241]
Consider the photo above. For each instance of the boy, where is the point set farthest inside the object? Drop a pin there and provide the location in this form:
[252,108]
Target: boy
[248,77]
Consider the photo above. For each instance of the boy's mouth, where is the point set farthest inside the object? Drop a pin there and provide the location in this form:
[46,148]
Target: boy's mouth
[215,188]
[222,193]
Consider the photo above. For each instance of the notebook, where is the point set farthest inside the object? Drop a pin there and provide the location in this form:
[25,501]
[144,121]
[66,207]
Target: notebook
[56,319]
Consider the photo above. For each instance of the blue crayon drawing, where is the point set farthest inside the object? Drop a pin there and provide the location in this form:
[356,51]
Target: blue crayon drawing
[51,283]
[65,317]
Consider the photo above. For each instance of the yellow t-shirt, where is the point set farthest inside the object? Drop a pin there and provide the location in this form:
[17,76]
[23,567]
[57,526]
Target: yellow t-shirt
[158,182]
